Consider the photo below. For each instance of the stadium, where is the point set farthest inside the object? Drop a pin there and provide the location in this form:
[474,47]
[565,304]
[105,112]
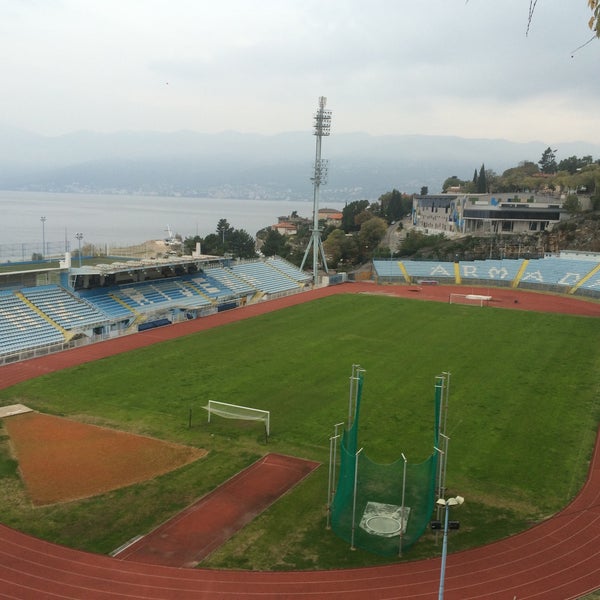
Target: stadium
[81,317]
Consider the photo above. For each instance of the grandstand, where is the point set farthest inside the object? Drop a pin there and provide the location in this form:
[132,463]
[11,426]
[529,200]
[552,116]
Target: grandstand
[22,329]
[66,307]
[563,273]
[266,277]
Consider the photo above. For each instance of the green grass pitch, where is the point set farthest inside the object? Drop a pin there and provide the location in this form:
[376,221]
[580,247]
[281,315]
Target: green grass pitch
[524,408]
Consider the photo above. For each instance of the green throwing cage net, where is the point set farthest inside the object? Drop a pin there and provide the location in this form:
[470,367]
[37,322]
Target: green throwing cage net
[382,508]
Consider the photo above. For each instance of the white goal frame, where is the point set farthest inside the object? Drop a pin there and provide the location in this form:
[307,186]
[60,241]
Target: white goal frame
[474,299]
[234,411]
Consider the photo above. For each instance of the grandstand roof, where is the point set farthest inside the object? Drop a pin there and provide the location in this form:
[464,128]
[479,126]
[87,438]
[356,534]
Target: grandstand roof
[140,265]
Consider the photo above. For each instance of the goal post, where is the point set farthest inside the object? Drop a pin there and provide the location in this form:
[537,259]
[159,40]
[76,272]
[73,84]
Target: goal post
[471,299]
[234,411]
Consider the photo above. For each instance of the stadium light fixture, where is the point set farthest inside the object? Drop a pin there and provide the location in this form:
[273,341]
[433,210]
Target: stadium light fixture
[446,504]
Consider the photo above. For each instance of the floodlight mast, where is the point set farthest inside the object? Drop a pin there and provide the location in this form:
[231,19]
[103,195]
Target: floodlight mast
[322,128]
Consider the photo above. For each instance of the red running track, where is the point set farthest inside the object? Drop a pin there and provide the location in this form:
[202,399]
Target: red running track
[556,560]
[190,536]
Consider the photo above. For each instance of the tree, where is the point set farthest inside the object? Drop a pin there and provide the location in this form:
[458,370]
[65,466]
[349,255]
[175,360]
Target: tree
[548,163]
[350,212]
[241,244]
[572,204]
[593,23]
[212,244]
[482,181]
[223,228]
[340,248]
[395,205]
[424,190]
[371,233]
[275,244]
[189,244]
[453,181]
[574,164]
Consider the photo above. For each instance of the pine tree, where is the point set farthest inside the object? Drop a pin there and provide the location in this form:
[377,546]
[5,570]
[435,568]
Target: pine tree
[482,181]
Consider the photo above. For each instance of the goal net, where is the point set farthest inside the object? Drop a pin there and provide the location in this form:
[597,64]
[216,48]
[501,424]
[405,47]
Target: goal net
[233,411]
[472,299]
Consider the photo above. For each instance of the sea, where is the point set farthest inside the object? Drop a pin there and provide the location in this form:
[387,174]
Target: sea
[123,220]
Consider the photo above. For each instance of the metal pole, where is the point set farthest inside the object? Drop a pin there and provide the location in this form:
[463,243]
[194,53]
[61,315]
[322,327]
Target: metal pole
[79,237]
[43,220]
[437,506]
[332,464]
[350,398]
[353,378]
[402,517]
[329,482]
[444,552]
[352,547]
[443,458]
[446,397]
[337,435]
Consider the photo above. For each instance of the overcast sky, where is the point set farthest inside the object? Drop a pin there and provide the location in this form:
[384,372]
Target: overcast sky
[439,67]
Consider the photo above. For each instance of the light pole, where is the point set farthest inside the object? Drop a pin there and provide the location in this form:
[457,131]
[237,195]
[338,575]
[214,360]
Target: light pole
[43,220]
[446,504]
[79,237]
[322,129]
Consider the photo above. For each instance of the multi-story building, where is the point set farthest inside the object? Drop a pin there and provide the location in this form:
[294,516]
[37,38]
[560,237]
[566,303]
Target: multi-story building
[461,214]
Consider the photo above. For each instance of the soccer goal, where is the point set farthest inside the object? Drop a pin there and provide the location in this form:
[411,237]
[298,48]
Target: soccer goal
[245,413]
[473,299]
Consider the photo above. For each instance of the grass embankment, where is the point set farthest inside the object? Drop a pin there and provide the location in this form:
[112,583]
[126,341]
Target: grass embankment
[524,409]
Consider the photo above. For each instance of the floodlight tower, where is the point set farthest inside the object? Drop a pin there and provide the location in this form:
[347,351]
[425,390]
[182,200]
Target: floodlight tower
[322,128]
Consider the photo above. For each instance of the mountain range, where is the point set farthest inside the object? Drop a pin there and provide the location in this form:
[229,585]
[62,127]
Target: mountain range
[246,165]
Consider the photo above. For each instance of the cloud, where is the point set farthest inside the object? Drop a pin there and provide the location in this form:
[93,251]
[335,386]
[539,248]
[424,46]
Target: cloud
[386,65]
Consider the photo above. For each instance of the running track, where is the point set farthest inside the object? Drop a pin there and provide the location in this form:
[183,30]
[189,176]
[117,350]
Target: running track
[556,560]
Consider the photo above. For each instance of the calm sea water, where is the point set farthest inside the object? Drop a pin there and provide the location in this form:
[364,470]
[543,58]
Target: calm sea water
[115,220]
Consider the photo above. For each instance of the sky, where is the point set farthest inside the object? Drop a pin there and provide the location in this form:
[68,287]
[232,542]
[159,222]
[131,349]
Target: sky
[437,67]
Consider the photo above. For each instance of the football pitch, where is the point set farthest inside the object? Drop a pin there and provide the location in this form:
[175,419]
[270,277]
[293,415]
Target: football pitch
[524,407]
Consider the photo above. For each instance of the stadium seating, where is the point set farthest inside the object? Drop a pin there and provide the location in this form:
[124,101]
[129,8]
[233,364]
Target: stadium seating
[103,299]
[388,268]
[163,294]
[265,277]
[548,273]
[591,285]
[429,269]
[219,283]
[21,328]
[556,272]
[495,270]
[63,308]
[288,268]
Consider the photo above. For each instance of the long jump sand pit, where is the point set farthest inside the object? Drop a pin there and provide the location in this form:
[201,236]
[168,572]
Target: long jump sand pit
[62,460]
[188,538]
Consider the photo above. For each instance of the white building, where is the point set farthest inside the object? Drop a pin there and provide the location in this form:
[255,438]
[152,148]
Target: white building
[461,214]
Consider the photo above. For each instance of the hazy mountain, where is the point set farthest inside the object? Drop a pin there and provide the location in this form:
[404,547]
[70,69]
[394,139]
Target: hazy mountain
[231,164]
